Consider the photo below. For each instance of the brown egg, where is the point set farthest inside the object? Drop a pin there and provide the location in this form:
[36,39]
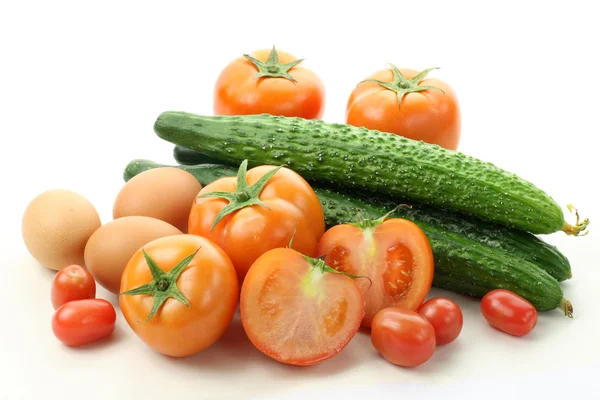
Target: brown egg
[165,193]
[109,249]
[56,226]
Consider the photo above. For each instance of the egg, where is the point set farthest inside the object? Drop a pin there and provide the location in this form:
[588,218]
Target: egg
[56,226]
[165,193]
[109,249]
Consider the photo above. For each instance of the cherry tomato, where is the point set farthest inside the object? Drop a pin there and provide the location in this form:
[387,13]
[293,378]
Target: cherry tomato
[265,214]
[446,318]
[297,310]
[72,282]
[269,82]
[179,294]
[403,337]
[395,254]
[509,312]
[394,100]
[81,322]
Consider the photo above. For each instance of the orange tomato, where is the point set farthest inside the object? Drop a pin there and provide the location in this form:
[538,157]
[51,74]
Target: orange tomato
[394,253]
[297,310]
[179,294]
[271,82]
[402,102]
[248,215]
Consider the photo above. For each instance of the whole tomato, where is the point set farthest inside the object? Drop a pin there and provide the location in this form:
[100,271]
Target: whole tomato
[81,322]
[403,102]
[509,312]
[446,318]
[72,282]
[179,294]
[262,209]
[394,254]
[403,337]
[271,82]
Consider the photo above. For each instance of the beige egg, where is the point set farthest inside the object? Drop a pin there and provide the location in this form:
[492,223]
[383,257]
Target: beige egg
[165,193]
[109,249]
[56,226]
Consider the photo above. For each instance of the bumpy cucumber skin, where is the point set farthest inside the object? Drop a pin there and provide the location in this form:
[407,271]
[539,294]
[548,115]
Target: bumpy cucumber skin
[368,160]
[185,156]
[465,262]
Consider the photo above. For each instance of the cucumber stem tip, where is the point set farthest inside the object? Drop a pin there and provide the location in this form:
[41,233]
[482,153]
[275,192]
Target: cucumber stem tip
[567,307]
[579,227]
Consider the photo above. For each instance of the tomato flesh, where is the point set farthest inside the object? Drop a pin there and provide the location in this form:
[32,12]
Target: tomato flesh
[403,337]
[72,282]
[81,322]
[395,255]
[296,313]
[509,312]
[446,318]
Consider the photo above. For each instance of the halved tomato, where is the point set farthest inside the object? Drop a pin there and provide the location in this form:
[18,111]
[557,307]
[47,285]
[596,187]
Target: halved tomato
[394,253]
[297,310]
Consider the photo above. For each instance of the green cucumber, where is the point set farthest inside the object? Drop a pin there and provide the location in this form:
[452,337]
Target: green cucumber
[471,257]
[371,161]
[529,247]
[185,156]
[205,173]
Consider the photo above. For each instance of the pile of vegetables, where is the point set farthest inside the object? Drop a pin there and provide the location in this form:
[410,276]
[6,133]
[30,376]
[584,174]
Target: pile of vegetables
[313,229]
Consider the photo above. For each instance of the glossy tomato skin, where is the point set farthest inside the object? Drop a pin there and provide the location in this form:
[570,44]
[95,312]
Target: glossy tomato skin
[72,282]
[296,316]
[209,283]
[248,233]
[509,312]
[238,92]
[396,255]
[403,337]
[431,115]
[446,318]
[81,322]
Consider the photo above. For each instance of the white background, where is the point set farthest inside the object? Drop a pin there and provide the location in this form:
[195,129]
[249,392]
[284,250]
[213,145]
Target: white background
[81,84]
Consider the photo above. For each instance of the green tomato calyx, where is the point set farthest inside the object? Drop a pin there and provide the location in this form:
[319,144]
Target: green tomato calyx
[272,68]
[244,195]
[403,86]
[163,284]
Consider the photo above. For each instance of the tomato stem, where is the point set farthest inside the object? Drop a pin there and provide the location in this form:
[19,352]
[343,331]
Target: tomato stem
[363,223]
[244,196]
[272,68]
[402,86]
[290,244]
[163,285]
[322,266]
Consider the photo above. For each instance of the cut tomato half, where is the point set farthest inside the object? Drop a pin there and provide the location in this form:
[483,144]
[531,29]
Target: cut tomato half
[297,310]
[394,253]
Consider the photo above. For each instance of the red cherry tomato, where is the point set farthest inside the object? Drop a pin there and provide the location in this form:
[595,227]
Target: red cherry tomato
[403,337]
[509,312]
[72,282]
[81,322]
[446,318]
